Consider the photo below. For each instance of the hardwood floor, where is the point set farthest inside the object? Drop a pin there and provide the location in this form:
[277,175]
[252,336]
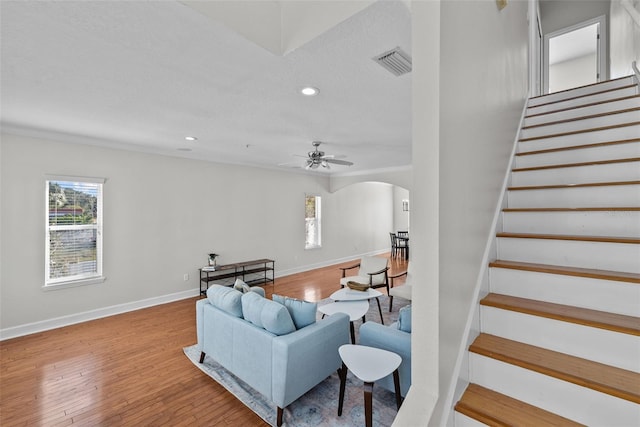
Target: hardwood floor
[129,369]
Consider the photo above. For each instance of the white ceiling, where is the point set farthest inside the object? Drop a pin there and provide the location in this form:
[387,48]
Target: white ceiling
[142,75]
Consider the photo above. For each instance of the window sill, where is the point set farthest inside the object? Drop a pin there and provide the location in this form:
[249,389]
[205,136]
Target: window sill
[74,283]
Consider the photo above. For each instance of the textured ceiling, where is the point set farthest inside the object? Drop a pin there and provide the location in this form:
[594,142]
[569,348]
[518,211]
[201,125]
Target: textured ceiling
[142,75]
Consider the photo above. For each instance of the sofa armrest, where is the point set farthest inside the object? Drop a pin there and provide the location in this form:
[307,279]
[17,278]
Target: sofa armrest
[304,358]
[200,321]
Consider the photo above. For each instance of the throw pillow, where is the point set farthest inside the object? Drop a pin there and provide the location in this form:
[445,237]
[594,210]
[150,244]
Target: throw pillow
[404,319]
[267,314]
[302,312]
[241,286]
[226,299]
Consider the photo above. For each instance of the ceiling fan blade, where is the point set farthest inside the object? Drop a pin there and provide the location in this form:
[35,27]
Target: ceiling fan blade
[339,162]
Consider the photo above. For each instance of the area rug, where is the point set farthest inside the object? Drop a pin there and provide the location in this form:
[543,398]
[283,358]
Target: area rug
[319,406]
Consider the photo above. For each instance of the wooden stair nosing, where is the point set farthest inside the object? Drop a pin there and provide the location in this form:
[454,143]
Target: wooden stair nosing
[581,316]
[623,98]
[590,273]
[576,132]
[564,186]
[581,87]
[617,382]
[499,410]
[592,209]
[573,165]
[578,238]
[575,119]
[579,147]
[572,98]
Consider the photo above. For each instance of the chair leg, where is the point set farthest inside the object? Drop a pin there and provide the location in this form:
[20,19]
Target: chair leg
[202,356]
[390,303]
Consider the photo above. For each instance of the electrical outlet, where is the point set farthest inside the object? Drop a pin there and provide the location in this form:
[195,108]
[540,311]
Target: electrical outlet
[185,277]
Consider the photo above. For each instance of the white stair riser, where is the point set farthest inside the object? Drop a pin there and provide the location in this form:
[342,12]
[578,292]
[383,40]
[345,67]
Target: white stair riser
[579,102]
[461,420]
[583,138]
[595,294]
[608,347]
[566,399]
[581,91]
[622,104]
[576,125]
[621,257]
[610,172]
[599,196]
[627,150]
[581,223]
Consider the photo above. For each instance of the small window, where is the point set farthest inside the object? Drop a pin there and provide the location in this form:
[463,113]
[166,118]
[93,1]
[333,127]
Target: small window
[73,231]
[313,235]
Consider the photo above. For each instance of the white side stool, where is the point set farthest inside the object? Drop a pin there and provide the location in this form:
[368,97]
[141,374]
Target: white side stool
[368,364]
[354,309]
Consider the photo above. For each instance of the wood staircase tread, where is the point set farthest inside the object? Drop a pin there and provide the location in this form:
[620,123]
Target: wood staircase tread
[614,381]
[498,410]
[583,209]
[576,119]
[576,132]
[561,186]
[591,273]
[571,98]
[582,316]
[623,98]
[581,87]
[579,238]
[579,147]
[572,165]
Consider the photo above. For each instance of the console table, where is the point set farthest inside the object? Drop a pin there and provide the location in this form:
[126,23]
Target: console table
[255,272]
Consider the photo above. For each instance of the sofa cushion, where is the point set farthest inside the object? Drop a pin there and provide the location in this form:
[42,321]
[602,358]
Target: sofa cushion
[302,312]
[267,314]
[404,319]
[226,299]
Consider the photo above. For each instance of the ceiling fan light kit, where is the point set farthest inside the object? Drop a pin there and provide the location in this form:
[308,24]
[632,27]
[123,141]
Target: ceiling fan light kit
[318,158]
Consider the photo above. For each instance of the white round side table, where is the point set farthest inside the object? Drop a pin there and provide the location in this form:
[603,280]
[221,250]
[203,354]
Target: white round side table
[354,309]
[368,364]
[346,294]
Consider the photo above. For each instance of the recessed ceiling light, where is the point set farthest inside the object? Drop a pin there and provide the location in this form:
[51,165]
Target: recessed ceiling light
[309,91]
[190,138]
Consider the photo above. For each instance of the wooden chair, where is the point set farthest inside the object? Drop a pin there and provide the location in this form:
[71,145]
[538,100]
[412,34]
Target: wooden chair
[402,291]
[372,270]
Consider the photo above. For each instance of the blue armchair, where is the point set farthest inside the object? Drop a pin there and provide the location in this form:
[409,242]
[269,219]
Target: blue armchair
[396,338]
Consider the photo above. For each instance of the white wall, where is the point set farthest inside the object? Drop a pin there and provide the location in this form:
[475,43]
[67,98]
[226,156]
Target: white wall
[624,37]
[162,216]
[573,73]
[400,217]
[481,92]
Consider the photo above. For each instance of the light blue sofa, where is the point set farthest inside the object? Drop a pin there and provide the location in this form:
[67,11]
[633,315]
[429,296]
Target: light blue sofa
[280,363]
[396,338]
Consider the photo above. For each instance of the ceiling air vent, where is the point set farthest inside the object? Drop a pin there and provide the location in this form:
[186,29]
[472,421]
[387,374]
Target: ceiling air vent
[396,61]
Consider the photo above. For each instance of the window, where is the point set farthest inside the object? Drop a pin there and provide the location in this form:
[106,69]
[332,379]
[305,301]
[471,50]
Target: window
[73,231]
[313,238]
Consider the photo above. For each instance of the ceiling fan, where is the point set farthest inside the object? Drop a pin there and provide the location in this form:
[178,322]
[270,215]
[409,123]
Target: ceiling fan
[318,158]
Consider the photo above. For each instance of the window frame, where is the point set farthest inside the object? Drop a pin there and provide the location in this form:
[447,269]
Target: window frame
[317,243]
[82,278]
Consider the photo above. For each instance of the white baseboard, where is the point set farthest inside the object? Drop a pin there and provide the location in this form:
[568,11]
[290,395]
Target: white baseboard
[72,319]
[302,269]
